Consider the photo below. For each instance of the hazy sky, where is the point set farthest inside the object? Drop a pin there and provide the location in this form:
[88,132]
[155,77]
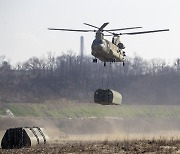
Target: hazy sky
[24,23]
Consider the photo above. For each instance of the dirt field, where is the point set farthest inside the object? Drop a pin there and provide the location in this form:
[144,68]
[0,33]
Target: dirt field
[130,146]
[101,135]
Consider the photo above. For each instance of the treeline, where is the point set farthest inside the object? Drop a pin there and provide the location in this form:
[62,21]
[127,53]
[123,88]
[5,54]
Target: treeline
[70,77]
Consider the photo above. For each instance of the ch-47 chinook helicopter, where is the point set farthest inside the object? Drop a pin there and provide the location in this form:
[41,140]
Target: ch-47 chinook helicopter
[104,50]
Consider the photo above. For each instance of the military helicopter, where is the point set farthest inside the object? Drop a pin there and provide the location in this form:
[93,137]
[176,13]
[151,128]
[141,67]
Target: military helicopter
[108,51]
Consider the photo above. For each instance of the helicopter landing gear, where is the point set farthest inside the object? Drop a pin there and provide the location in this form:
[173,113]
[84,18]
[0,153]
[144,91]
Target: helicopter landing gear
[124,53]
[104,64]
[123,64]
[94,60]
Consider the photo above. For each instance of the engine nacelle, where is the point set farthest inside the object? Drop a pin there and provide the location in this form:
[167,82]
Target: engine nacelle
[121,46]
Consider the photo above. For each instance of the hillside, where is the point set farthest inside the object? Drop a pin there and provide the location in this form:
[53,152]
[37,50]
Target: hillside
[68,109]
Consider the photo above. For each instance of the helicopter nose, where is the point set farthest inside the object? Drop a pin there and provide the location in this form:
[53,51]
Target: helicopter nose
[98,47]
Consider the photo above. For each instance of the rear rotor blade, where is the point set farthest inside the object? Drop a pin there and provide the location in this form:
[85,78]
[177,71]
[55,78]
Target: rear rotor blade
[122,29]
[144,32]
[73,30]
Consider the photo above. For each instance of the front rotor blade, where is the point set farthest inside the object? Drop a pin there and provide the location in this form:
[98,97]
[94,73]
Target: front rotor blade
[144,32]
[104,25]
[101,28]
[122,29]
[91,25]
[73,30]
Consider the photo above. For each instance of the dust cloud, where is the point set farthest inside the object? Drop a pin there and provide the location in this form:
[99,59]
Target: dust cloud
[94,129]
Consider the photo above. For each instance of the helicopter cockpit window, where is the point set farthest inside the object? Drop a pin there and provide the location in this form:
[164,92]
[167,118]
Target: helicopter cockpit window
[96,42]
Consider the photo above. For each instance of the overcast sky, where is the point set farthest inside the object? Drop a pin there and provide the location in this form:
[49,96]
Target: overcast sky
[24,23]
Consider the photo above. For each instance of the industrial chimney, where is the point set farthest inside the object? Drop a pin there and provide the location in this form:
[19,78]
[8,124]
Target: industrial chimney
[81,48]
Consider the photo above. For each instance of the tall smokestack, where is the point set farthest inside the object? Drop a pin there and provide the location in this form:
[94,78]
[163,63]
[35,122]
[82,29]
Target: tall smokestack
[81,48]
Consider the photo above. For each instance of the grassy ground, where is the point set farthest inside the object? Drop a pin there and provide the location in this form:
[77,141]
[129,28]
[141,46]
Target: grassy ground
[65,109]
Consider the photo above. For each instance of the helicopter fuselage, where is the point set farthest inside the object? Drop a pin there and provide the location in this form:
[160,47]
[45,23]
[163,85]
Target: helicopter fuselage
[105,50]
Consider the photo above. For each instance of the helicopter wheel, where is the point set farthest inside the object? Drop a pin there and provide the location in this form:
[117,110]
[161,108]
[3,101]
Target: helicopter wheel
[95,60]
[104,64]
[123,64]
